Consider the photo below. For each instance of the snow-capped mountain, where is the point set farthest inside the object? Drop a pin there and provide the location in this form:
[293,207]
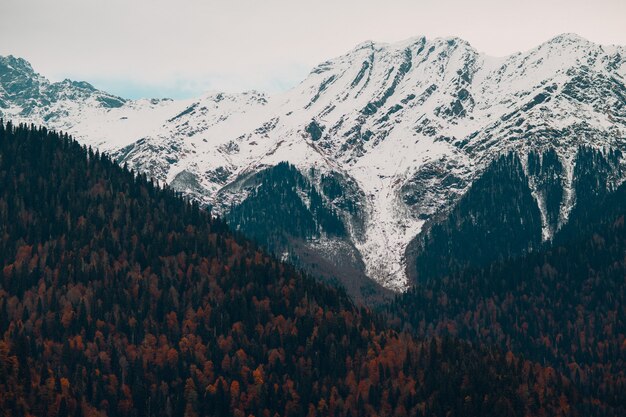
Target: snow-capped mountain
[387,138]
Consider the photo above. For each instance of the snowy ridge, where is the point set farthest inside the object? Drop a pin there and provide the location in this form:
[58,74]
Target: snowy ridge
[411,123]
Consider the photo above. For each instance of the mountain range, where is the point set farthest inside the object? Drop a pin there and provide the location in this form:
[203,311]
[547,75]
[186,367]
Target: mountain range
[373,165]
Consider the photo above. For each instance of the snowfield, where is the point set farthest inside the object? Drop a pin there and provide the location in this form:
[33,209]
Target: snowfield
[412,123]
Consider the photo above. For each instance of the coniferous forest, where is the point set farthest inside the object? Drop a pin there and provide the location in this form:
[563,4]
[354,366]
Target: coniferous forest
[563,305]
[120,298]
[367,210]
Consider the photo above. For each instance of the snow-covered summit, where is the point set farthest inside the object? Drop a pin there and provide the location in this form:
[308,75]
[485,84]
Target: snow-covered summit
[412,124]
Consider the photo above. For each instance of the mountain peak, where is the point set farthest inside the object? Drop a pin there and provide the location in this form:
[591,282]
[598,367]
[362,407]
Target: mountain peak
[567,40]
[401,130]
[452,40]
[364,45]
[15,65]
[16,62]
[568,37]
[417,41]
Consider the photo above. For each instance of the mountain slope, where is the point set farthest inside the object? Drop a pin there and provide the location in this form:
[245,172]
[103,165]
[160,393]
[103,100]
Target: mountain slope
[498,218]
[119,298]
[563,305]
[402,129]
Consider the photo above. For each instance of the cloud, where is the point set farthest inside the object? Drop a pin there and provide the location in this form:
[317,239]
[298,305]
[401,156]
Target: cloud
[181,87]
[181,48]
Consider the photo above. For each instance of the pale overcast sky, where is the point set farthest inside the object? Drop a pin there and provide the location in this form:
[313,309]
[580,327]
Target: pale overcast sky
[181,48]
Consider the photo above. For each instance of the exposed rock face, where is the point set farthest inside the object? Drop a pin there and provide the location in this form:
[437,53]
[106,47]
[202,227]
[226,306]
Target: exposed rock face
[384,140]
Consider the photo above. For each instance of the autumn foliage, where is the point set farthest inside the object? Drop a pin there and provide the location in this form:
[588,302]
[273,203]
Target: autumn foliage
[120,298]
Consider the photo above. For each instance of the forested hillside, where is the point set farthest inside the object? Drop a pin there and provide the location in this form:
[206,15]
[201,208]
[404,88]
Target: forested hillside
[286,215]
[499,218]
[371,148]
[119,298]
[563,306]
[496,219]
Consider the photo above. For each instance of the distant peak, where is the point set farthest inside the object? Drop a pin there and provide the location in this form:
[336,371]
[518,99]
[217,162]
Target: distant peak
[567,38]
[78,84]
[418,41]
[413,42]
[451,40]
[16,63]
[364,45]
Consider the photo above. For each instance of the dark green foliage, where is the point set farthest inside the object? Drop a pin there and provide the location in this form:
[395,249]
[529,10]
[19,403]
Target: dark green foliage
[496,219]
[344,193]
[593,173]
[596,201]
[547,171]
[274,210]
[122,299]
[563,305]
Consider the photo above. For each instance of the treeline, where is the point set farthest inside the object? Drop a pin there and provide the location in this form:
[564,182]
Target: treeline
[498,218]
[562,306]
[120,298]
[282,204]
